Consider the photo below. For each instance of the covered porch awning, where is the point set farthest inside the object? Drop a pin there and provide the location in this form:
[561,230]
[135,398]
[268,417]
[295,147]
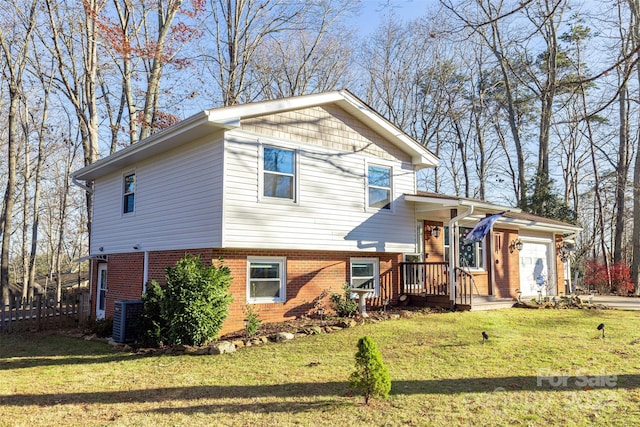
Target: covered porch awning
[455,213]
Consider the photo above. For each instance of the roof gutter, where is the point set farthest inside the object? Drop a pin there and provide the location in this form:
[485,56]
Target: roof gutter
[85,187]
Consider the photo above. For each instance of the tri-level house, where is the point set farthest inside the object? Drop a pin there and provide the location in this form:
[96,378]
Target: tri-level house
[299,196]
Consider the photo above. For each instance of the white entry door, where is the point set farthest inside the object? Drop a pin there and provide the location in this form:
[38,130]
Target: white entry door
[102,291]
[535,272]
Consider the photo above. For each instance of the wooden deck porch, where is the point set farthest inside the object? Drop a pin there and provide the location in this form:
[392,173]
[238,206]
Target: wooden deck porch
[427,284]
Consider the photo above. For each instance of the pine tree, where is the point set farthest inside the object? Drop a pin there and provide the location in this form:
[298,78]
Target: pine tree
[371,376]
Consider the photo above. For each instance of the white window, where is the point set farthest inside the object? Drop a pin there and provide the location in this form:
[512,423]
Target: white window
[379,186]
[365,275]
[128,193]
[266,279]
[279,173]
[471,256]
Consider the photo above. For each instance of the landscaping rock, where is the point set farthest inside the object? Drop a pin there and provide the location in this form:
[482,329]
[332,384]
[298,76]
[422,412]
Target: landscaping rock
[201,351]
[347,323]
[283,336]
[313,330]
[238,343]
[222,347]
[333,328]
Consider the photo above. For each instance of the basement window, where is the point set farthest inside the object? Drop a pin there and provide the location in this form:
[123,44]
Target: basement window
[266,279]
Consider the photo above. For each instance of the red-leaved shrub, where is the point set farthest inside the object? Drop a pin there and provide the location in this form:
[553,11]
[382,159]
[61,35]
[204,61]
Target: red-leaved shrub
[595,277]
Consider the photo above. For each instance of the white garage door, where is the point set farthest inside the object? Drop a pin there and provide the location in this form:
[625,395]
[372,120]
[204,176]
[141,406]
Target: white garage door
[534,269]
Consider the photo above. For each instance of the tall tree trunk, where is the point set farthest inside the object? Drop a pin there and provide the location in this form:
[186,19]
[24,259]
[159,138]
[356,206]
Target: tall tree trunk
[13,69]
[634,7]
[621,175]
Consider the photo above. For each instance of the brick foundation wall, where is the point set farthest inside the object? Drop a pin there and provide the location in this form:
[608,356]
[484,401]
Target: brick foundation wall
[433,246]
[309,273]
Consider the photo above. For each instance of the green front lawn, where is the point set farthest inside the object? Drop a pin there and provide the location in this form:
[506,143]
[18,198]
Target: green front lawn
[539,367]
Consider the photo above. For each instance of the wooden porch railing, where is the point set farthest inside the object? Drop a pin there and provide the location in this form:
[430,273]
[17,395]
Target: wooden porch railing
[464,287]
[432,278]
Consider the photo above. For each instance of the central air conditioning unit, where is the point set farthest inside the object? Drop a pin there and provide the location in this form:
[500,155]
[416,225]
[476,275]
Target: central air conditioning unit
[126,315]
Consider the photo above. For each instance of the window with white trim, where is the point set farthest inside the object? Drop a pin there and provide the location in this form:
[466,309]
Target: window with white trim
[365,274]
[128,193]
[379,186]
[279,173]
[266,279]
[471,256]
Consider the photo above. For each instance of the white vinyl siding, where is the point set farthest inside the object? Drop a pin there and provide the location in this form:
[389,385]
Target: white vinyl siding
[178,202]
[331,213]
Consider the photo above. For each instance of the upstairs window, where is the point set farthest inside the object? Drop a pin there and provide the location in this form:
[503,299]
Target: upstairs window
[279,173]
[129,192]
[379,183]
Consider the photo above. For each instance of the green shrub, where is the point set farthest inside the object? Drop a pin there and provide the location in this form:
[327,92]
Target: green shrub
[192,306]
[152,330]
[102,327]
[342,303]
[371,377]
[253,321]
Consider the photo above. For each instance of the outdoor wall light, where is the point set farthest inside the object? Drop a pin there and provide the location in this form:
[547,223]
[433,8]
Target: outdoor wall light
[434,231]
[564,251]
[515,245]
[137,246]
[101,249]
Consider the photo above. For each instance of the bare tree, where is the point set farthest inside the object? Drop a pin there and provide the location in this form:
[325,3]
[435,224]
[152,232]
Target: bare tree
[314,59]
[234,32]
[144,39]
[634,8]
[15,51]
[488,27]
[42,132]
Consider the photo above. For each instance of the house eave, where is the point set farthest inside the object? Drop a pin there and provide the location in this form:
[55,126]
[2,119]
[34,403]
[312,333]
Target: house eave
[196,126]
[427,203]
[440,206]
[537,226]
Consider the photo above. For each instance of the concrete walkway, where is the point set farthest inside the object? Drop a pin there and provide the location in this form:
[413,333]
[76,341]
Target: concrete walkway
[621,303]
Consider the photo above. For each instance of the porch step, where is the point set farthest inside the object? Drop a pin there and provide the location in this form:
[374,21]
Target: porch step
[489,302]
[434,301]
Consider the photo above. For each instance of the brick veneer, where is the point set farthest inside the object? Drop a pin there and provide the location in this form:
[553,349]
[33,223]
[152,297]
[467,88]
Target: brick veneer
[309,273]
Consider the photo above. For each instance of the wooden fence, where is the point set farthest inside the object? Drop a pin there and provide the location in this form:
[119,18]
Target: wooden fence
[43,313]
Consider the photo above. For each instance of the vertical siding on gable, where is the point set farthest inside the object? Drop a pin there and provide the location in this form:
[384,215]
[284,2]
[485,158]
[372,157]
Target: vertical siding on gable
[178,202]
[330,213]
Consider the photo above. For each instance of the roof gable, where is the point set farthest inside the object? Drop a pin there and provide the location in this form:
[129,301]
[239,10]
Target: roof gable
[391,138]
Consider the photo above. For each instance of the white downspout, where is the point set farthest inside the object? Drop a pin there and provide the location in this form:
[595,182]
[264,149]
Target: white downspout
[453,251]
[145,272]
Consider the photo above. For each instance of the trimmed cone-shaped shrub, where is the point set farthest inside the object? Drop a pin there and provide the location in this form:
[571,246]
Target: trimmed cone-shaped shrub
[371,377]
